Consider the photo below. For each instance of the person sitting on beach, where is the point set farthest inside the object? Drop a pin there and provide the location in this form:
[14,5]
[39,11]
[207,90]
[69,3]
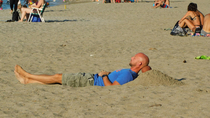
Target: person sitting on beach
[206,26]
[108,1]
[119,77]
[161,3]
[27,11]
[192,19]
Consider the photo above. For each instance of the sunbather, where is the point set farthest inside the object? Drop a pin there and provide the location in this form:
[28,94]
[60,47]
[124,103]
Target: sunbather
[161,3]
[192,19]
[206,26]
[27,11]
[119,77]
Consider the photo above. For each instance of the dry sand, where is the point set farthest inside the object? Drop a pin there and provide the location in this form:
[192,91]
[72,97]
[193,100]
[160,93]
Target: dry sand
[90,37]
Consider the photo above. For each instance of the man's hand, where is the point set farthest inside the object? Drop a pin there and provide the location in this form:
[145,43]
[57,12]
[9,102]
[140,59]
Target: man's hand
[103,73]
[106,79]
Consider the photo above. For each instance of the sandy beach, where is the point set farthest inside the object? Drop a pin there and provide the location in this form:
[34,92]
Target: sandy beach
[92,36]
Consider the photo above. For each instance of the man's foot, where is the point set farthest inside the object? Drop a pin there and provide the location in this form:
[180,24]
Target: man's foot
[21,74]
[21,79]
[19,70]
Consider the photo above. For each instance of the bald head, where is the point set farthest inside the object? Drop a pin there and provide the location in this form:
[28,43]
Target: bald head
[144,59]
[139,61]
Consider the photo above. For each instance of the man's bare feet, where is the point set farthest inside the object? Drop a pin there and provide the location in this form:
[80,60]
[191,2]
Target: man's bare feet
[20,71]
[20,75]
[22,80]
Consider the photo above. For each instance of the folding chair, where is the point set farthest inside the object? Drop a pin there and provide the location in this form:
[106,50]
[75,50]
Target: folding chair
[39,13]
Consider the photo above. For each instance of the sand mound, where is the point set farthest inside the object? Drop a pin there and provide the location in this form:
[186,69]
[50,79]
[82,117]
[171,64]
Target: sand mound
[155,78]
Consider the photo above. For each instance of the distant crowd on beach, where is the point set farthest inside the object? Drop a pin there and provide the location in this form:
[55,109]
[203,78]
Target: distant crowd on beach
[157,3]
[194,19]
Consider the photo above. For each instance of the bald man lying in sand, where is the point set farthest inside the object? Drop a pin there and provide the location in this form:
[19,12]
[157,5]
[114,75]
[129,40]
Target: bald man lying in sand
[206,26]
[119,77]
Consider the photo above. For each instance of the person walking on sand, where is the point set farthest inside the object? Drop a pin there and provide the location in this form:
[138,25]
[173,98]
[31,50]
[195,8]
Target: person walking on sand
[206,26]
[119,77]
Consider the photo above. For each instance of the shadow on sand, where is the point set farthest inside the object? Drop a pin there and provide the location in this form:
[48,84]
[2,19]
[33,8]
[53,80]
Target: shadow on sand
[50,21]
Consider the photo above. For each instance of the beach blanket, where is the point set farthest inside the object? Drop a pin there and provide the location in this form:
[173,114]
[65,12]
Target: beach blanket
[198,34]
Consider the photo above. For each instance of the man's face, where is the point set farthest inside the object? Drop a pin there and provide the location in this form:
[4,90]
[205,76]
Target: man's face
[134,60]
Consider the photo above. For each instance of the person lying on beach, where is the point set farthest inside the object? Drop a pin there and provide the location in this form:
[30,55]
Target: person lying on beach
[192,19]
[206,26]
[119,77]
[161,3]
[27,11]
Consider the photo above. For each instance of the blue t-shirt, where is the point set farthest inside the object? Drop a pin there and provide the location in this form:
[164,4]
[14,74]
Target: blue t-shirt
[122,76]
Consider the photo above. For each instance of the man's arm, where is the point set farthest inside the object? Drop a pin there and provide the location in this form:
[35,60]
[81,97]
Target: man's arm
[108,83]
[105,78]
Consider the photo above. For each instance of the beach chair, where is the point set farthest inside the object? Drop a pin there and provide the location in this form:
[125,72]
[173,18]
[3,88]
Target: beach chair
[39,13]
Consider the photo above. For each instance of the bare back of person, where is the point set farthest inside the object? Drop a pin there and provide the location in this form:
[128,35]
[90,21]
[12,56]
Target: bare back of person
[206,25]
[194,17]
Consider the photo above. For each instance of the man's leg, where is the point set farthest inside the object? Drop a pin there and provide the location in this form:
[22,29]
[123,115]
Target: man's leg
[26,78]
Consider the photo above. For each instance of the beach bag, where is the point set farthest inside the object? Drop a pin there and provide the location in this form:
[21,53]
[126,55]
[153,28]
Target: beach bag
[36,19]
[177,32]
[15,16]
[198,30]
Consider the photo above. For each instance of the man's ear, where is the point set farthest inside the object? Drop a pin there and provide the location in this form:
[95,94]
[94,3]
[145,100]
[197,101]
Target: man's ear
[139,64]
